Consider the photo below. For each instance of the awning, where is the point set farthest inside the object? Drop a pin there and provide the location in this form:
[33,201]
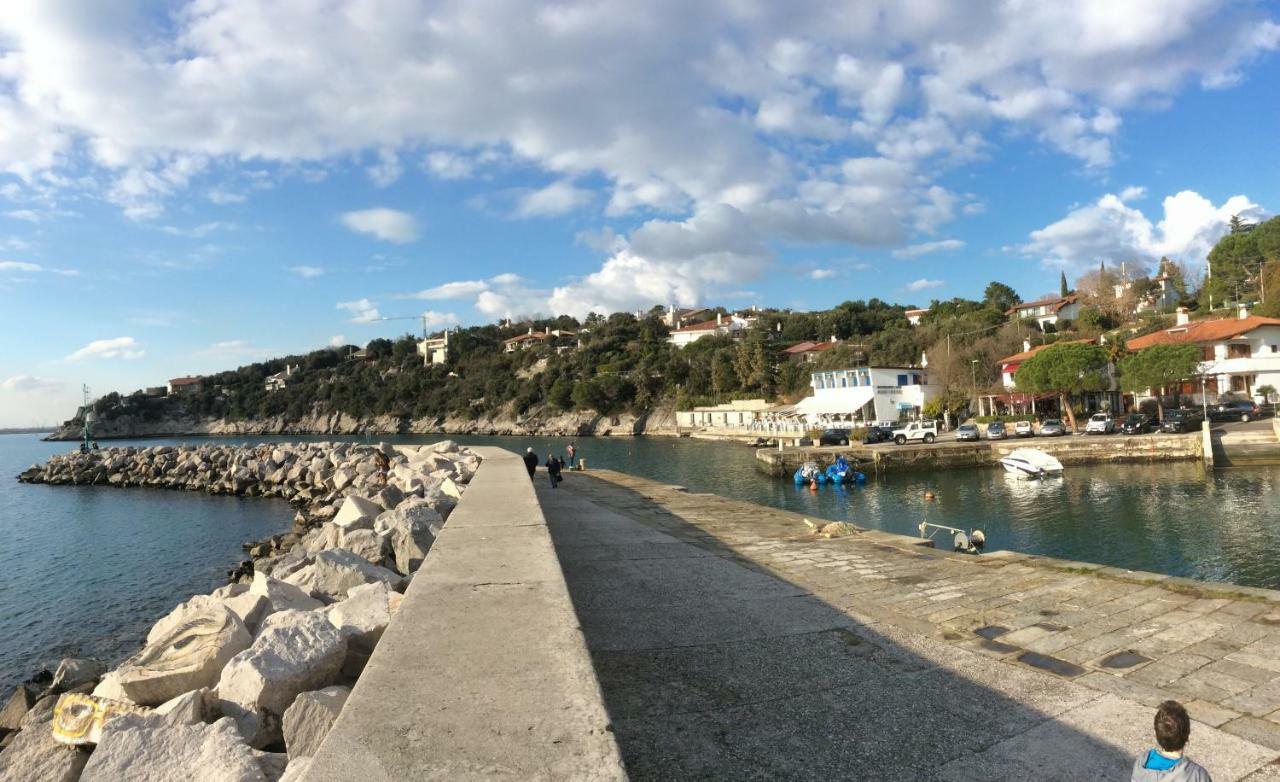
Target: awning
[847,402]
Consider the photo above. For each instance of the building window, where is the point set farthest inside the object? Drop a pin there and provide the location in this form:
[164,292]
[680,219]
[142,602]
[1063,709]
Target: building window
[1207,353]
[902,380]
[1240,383]
[1238,351]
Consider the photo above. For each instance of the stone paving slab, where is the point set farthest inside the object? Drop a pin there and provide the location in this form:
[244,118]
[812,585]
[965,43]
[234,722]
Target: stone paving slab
[701,677]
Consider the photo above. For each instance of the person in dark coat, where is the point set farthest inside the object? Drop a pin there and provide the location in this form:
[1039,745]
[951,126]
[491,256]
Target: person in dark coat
[530,462]
[553,468]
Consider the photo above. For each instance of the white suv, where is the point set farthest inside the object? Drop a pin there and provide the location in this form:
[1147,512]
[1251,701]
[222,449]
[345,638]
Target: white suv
[1100,423]
[924,431]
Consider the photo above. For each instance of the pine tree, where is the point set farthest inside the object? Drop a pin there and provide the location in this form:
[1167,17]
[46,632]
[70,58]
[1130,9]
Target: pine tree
[1062,284]
[1239,226]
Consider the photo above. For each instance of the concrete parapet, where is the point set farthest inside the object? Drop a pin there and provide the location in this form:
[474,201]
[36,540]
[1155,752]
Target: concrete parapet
[484,671]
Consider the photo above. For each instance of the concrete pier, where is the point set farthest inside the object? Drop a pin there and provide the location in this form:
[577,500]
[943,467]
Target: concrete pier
[730,643]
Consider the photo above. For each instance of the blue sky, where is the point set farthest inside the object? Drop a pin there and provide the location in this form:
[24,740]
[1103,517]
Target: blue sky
[187,187]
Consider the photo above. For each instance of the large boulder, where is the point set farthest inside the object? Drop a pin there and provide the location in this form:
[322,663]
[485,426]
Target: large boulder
[367,544]
[295,651]
[356,513]
[282,595]
[411,528]
[74,671]
[308,719]
[22,699]
[146,750]
[35,757]
[297,770]
[361,619]
[389,497]
[335,571]
[183,653]
[110,687]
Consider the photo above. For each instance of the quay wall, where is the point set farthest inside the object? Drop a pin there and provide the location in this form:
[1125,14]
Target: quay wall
[484,671]
[1070,450]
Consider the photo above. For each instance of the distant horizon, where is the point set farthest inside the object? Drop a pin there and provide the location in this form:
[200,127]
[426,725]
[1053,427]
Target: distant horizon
[188,185]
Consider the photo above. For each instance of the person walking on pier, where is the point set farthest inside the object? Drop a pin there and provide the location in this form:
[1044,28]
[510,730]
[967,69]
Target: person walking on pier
[571,452]
[553,468]
[530,462]
[1167,763]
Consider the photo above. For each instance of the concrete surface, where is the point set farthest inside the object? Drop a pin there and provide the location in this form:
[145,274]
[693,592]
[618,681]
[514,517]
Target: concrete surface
[483,672]
[731,644]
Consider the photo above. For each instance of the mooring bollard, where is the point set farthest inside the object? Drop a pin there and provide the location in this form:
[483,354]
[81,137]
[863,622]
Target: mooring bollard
[582,465]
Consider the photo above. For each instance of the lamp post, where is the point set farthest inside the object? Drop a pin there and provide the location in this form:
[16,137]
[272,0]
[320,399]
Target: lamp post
[973,371]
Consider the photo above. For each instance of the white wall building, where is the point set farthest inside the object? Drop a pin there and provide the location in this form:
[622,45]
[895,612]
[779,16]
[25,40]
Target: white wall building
[434,351]
[1047,312]
[866,394]
[732,326]
[1238,355]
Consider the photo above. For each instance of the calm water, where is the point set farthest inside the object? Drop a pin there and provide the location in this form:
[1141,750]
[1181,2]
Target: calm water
[85,571]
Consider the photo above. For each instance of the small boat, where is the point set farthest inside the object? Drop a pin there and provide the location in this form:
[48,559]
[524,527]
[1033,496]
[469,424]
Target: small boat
[809,471]
[1031,463]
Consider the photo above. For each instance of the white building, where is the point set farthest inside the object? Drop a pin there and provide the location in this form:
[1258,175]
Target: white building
[738,414]
[182,386]
[914,316]
[1047,312]
[435,350]
[867,394]
[1238,355]
[732,326]
[279,380]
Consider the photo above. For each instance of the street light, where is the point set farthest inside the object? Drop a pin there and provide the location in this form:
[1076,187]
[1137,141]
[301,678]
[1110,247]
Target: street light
[973,366]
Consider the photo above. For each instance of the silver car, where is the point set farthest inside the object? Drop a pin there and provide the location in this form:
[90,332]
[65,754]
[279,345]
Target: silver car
[1052,427]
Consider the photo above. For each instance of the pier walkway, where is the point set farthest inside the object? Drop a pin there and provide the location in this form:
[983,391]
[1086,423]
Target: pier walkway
[730,643]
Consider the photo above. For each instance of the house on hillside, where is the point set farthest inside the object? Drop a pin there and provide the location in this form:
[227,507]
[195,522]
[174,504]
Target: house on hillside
[560,339]
[1047,312]
[184,386]
[434,350]
[914,316]
[1237,354]
[732,326]
[677,317]
[808,352]
[279,380]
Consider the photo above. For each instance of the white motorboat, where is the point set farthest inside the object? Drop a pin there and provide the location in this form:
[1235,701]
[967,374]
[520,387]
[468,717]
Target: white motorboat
[1031,463]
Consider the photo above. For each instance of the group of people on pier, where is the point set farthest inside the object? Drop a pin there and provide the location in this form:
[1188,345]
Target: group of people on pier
[554,463]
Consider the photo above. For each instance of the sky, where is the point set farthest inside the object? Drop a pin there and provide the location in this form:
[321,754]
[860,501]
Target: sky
[191,186]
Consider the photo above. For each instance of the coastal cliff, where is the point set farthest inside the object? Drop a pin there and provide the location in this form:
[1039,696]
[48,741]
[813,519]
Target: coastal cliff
[534,423]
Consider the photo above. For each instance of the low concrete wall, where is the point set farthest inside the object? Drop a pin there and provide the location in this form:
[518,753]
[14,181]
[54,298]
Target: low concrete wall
[484,671]
[1070,450]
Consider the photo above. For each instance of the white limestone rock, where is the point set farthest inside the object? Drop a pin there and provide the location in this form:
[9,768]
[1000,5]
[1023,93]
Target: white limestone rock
[308,720]
[451,489]
[73,671]
[389,497]
[364,615]
[356,513]
[273,764]
[251,608]
[411,528]
[335,571]
[189,708]
[138,749]
[185,651]
[367,544]
[295,651]
[34,756]
[297,770]
[282,595]
[110,688]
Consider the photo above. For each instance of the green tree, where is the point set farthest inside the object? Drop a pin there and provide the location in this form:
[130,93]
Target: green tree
[1063,289]
[1067,369]
[1158,367]
[1267,392]
[1239,226]
[1232,262]
[1000,297]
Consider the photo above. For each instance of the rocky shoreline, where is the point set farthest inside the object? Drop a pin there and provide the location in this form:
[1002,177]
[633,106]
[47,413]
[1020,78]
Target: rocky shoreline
[242,683]
[660,421]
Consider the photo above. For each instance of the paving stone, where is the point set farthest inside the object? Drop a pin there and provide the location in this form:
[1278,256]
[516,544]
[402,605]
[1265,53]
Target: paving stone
[1258,731]
[1209,713]
[1126,659]
[1053,665]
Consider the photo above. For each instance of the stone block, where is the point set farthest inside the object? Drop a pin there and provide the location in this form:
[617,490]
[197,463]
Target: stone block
[335,571]
[356,513]
[282,595]
[140,750]
[308,719]
[183,653]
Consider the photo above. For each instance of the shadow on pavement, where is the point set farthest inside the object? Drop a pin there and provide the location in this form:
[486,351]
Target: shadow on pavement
[712,667]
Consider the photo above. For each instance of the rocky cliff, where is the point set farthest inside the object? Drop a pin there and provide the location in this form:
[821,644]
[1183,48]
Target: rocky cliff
[533,423]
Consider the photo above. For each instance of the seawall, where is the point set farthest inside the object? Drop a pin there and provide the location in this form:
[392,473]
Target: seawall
[484,672]
[1071,450]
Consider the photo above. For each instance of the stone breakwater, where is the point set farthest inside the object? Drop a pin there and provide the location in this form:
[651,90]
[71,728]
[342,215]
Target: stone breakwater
[242,684]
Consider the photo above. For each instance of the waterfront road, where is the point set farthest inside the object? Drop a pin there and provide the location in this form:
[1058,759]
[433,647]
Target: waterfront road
[729,643]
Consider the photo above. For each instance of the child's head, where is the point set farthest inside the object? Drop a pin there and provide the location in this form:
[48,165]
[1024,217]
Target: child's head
[1172,726]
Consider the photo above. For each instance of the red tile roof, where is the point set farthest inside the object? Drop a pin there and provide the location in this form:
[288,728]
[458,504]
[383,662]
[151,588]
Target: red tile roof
[704,326]
[184,381]
[1018,358]
[810,347]
[1198,331]
[1058,302]
[525,338]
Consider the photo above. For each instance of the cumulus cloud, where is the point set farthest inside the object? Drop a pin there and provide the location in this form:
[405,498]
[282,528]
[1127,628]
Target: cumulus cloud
[118,347]
[924,284]
[452,290]
[822,274]
[31,384]
[362,310]
[35,268]
[1111,230]
[433,319]
[389,225]
[307,272]
[337,341]
[555,199]
[927,248]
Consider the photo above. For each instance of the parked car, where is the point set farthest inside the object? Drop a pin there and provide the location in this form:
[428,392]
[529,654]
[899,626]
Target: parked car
[1052,427]
[1139,423]
[1100,423]
[1183,419]
[996,431]
[924,431]
[967,432]
[878,434]
[1242,410]
[834,437]
[1023,429]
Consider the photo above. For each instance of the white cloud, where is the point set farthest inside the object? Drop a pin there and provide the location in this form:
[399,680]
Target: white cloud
[452,290]
[926,248]
[337,341]
[35,268]
[26,215]
[389,225]
[923,284]
[448,165]
[31,384]
[238,350]
[555,199]
[1133,193]
[433,319]
[1111,230]
[362,310]
[118,347]
[307,272]
[196,231]
[822,274]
